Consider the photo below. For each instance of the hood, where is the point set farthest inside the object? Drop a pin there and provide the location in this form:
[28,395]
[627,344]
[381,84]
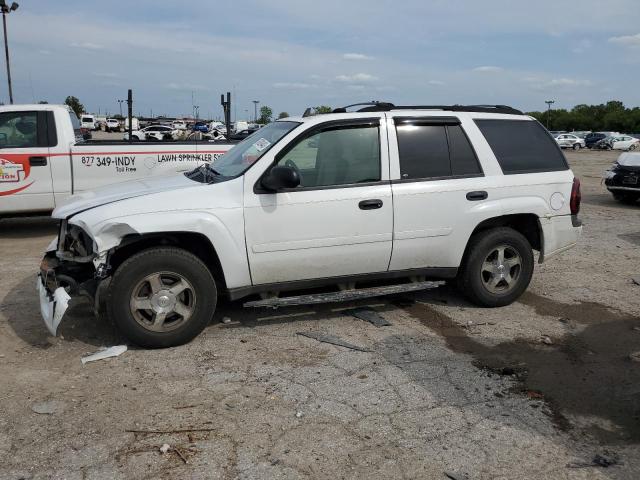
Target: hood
[121,191]
[629,159]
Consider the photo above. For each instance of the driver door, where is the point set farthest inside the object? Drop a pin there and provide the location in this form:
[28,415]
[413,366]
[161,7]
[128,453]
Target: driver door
[338,221]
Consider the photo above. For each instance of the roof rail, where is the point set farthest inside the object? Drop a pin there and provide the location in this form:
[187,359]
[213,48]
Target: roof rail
[386,106]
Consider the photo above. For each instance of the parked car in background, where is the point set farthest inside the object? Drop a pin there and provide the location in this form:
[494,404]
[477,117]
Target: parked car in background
[219,126]
[581,134]
[556,132]
[179,125]
[88,121]
[200,127]
[154,133]
[568,140]
[617,142]
[623,178]
[594,137]
[112,125]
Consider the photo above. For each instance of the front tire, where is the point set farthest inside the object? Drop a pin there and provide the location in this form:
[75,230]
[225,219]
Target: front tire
[162,297]
[497,268]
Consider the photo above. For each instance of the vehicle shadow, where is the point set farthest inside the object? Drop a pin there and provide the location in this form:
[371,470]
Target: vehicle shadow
[28,227]
[21,308]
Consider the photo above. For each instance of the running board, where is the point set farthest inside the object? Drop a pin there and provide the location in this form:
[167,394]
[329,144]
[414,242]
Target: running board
[343,296]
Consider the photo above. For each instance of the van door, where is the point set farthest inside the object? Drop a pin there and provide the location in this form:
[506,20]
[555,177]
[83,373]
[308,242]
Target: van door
[338,221]
[25,170]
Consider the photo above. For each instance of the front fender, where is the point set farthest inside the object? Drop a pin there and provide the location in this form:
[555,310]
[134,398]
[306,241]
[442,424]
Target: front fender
[224,228]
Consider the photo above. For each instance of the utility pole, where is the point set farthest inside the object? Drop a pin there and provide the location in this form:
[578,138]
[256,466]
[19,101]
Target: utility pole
[130,113]
[255,110]
[549,103]
[5,10]
[121,102]
[226,108]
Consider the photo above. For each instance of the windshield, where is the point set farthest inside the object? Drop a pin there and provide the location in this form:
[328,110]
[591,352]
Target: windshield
[244,154]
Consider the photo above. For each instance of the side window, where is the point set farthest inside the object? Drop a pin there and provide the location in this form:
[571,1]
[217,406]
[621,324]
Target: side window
[424,152]
[463,158]
[18,129]
[339,155]
[434,151]
[522,146]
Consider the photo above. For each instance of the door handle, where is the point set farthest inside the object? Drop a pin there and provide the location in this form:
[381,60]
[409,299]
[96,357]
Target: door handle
[475,196]
[370,204]
[38,161]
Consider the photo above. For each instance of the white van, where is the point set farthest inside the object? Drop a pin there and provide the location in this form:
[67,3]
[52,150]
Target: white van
[135,124]
[88,121]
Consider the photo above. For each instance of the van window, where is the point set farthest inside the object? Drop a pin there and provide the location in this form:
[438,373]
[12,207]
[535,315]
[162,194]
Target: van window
[18,129]
[522,146]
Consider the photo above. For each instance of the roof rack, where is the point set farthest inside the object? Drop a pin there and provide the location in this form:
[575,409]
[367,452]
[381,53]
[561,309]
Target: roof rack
[375,106]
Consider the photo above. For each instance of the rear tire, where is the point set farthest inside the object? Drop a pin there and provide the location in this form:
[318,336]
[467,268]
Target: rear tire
[576,146]
[497,267]
[162,297]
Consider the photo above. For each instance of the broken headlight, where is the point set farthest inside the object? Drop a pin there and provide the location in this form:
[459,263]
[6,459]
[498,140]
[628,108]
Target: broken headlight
[74,244]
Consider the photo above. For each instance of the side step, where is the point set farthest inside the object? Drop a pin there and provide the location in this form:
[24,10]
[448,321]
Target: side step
[343,296]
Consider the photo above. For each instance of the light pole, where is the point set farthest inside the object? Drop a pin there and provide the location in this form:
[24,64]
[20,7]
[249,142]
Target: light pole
[121,102]
[255,110]
[196,110]
[549,103]
[7,9]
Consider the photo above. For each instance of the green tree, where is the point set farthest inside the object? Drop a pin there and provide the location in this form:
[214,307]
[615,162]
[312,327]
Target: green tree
[43,102]
[283,115]
[323,109]
[75,105]
[265,115]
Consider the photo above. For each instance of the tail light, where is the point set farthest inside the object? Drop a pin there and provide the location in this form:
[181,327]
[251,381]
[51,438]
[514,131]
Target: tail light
[576,197]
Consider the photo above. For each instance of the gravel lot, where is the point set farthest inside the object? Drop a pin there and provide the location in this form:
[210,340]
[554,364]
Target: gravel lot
[252,399]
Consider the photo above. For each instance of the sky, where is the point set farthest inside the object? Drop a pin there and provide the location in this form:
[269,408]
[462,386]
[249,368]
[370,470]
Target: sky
[291,54]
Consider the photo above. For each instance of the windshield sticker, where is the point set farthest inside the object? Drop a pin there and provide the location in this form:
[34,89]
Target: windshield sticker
[262,144]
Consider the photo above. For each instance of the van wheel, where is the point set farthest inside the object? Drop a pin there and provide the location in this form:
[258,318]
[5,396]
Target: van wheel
[162,297]
[497,268]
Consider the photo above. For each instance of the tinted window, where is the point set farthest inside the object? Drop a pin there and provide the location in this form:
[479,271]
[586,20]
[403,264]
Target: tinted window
[18,129]
[337,156]
[522,146]
[463,158]
[424,152]
[432,151]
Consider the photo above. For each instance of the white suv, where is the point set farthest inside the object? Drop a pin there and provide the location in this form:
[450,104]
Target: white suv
[465,193]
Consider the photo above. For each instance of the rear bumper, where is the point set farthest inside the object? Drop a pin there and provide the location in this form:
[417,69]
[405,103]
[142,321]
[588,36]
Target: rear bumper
[559,234]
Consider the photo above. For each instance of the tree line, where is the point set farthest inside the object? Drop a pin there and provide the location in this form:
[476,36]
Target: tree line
[611,116]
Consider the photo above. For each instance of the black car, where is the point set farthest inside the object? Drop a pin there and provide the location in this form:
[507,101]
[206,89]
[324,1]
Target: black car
[592,138]
[623,179]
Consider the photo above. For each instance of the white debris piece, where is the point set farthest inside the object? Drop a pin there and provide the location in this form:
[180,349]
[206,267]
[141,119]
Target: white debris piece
[165,448]
[106,353]
[226,320]
[52,310]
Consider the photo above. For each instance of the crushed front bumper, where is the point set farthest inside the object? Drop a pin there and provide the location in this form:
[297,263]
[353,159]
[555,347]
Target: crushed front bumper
[52,305]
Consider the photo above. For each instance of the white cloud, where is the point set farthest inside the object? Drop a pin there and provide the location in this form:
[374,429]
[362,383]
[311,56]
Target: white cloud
[185,87]
[356,78]
[294,85]
[540,84]
[627,40]
[87,45]
[356,56]
[488,69]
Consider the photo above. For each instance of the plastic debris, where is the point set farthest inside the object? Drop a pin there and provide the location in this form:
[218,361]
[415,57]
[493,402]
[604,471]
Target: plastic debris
[456,476]
[226,320]
[106,353]
[546,340]
[45,408]
[333,340]
[298,414]
[368,315]
[636,279]
[165,448]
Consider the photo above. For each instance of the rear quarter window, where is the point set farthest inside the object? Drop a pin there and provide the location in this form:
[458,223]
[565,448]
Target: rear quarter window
[522,146]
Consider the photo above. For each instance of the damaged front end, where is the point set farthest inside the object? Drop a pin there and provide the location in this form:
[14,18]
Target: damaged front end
[70,267]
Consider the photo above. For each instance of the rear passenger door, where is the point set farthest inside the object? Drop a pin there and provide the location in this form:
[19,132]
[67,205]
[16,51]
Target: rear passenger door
[438,191]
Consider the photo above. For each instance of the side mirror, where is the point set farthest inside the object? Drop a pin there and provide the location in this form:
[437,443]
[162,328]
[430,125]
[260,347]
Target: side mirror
[280,177]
